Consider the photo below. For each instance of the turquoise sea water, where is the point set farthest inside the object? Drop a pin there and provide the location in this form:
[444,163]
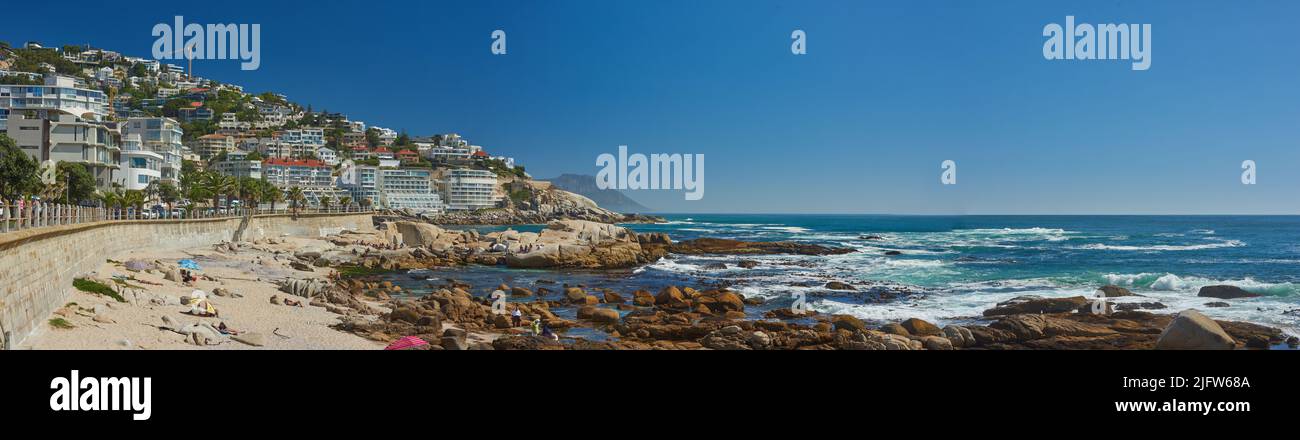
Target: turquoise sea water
[957,266]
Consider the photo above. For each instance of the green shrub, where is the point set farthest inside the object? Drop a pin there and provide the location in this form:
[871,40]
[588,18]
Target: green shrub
[60,323]
[86,285]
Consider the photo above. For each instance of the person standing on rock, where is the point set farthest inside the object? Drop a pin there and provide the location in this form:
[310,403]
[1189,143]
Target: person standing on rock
[516,317]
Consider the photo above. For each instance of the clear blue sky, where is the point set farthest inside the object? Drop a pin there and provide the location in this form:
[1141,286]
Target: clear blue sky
[860,124]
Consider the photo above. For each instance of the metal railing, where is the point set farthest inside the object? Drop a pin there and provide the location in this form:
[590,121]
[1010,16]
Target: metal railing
[30,215]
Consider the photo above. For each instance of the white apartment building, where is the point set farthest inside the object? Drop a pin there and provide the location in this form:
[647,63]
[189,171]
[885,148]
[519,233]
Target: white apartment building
[237,164]
[59,94]
[311,136]
[139,166]
[162,136]
[397,188]
[468,189]
[314,177]
[212,145]
[62,137]
[328,156]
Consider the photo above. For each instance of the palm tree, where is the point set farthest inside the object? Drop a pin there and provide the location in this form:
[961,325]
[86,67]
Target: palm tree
[250,192]
[135,199]
[345,202]
[365,203]
[325,202]
[295,198]
[272,194]
[111,200]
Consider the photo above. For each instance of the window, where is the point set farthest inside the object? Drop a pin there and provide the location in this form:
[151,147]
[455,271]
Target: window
[142,179]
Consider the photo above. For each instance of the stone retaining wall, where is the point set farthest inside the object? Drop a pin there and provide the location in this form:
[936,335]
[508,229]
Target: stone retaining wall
[37,266]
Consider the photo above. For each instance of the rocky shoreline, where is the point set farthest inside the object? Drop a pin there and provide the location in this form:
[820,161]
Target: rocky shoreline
[686,318]
[324,293]
[679,317]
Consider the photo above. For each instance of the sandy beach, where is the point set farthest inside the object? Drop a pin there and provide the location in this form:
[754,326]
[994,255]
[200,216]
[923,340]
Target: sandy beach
[250,277]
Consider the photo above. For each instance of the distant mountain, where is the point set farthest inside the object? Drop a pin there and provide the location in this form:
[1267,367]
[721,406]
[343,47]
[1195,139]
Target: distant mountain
[585,186]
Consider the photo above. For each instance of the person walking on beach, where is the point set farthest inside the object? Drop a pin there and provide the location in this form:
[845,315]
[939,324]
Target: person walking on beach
[516,317]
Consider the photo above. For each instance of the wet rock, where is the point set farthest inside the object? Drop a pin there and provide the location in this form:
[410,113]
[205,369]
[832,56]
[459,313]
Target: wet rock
[1192,330]
[643,298]
[575,294]
[848,322]
[1217,304]
[1112,291]
[525,343]
[1141,306]
[747,264]
[520,291]
[893,253]
[959,336]
[937,343]
[920,327]
[895,328]
[297,265]
[1035,304]
[670,296]
[612,297]
[836,285]
[1225,292]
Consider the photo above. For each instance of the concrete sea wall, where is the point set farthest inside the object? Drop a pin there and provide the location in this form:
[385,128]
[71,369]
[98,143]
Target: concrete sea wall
[37,266]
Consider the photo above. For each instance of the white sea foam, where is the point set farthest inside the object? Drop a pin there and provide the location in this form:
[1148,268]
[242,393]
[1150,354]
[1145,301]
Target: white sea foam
[1168,282]
[1162,247]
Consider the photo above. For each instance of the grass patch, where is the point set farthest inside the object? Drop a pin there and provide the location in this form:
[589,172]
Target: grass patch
[60,323]
[360,271]
[86,285]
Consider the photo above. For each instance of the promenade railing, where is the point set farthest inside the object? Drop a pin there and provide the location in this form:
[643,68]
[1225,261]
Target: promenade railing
[30,215]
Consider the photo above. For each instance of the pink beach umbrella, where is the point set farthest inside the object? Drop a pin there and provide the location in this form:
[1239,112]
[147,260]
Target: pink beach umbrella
[406,342]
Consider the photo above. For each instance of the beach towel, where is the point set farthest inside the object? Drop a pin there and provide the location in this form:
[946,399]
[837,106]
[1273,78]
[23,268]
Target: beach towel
[137,266]
[188,264]
[405,343]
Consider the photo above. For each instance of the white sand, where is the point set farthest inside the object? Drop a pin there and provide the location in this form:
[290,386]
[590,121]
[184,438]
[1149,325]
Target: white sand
[135,325]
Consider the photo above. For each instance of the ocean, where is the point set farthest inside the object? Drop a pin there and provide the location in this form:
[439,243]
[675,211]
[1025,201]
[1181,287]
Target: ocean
[951,268]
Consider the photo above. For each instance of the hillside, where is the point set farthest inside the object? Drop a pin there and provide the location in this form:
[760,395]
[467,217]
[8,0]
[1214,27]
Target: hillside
[585,186]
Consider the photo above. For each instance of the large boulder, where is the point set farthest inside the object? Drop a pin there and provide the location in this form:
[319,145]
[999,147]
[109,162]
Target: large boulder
[1225,292]
[574,244]
[848,322]
[418,234]
[670,296]
[920,327]
[1192,330]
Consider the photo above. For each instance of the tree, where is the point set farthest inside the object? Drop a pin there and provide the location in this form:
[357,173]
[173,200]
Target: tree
[111,199]
[365,203]
[219,185]
[272,194]
[134,199]
[250,191]
[295,198]
[325,202]
[345,201]
[168,193]
[18,177]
